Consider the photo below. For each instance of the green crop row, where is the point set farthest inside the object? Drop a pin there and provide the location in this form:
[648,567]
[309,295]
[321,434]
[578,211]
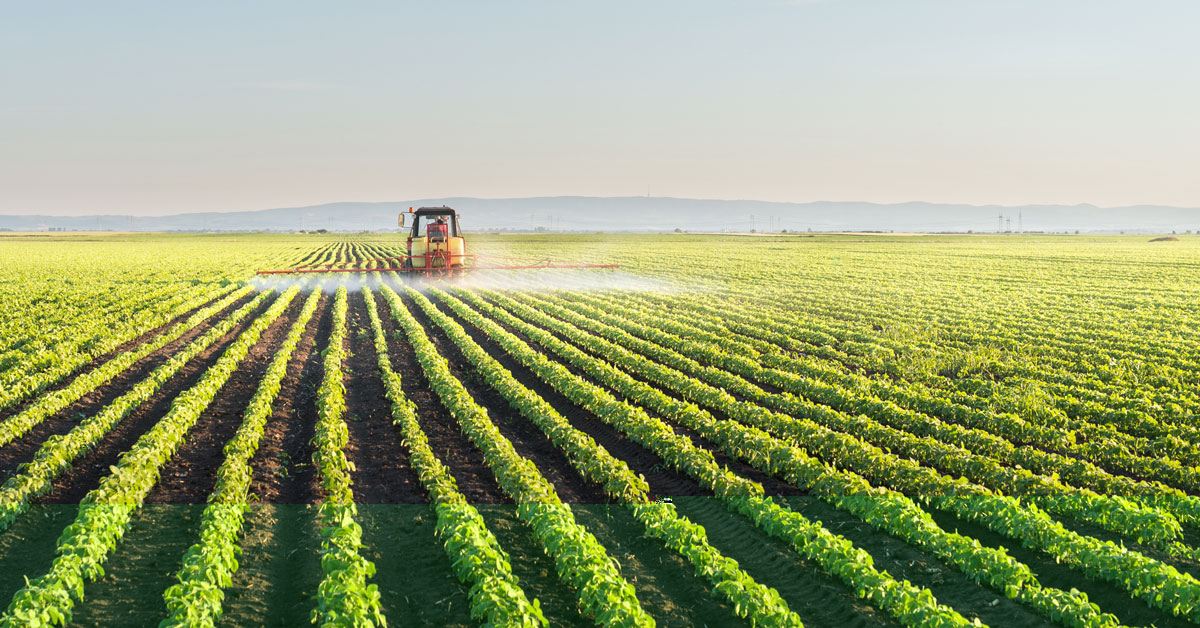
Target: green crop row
[911,605]
[749,599]
[475,555]
[105,513]
[19,424]
[1159,584]
[343,598]
[1131,520]
[208,566]
[57,453]
[580,560]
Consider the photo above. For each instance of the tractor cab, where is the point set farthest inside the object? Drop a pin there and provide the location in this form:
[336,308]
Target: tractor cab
[436,246]
[434,241]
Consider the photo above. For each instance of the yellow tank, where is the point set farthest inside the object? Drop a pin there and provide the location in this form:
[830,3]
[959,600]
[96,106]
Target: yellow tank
[421,246]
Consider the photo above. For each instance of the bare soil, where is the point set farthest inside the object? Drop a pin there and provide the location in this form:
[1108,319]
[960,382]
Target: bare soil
[23,449]
[190,476]
[85,473]
[529,441]
[382,473]
[282,466]
[662,480]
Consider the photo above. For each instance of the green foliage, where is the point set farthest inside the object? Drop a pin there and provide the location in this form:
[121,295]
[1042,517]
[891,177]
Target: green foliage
[105,512]
[579,559]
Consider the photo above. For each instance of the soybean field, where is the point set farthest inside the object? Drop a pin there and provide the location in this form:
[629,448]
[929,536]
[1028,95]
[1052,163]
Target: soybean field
[728,430]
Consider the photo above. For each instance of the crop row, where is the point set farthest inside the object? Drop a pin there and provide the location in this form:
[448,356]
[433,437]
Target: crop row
[208,566]
[19,424]
[475,555]
[57,453]
[984,433]
[882,424]
[62,362]
[105,513]
[343,598]
[1159,584]
[580,560]
[910,605]
[751,600]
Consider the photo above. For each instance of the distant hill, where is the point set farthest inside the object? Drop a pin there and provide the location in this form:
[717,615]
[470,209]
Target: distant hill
[578,213]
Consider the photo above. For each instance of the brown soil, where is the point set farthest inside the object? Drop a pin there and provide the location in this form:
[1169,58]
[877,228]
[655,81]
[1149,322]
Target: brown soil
[1110,598]
[772,486]
[86,471]
[23,449]
[818,597]
[382,473]
[527,439]
[667,585]
[190,476]
[1165,239]
[282,466]
[142,566]
[466,464]
[121,348]
[662,480]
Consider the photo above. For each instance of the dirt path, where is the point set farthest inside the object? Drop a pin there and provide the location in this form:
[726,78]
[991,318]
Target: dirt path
[382,473]
[23,449]
[85,473]
[662,480]
[190,476]
[526,438]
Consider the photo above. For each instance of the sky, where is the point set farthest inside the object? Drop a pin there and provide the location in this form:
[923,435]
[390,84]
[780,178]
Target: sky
[150,108]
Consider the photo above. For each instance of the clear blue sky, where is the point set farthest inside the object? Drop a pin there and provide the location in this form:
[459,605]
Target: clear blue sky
[162,107]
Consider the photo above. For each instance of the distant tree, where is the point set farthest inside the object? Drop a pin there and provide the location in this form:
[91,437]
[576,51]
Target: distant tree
[678,230]
[783,231]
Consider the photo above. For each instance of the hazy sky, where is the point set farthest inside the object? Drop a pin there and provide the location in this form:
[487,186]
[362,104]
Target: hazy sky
[163,107]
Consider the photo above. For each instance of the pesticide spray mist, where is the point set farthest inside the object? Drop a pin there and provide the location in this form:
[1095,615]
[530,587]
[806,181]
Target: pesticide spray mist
[526,281]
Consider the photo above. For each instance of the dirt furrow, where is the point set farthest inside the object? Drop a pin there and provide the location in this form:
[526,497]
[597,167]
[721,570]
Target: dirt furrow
[528,440]
[190,475]
[282,466]
[382,474]
[466,464]
[86,471]
[662,480]
[23,449]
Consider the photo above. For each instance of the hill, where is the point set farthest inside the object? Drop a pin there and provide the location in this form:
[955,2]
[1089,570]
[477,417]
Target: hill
[578,213]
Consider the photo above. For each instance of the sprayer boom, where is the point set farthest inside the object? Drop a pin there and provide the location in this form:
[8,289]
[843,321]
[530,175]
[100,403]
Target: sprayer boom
[435,245]
[468,263]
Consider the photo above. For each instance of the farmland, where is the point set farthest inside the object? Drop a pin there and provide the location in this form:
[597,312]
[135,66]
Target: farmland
[762,431]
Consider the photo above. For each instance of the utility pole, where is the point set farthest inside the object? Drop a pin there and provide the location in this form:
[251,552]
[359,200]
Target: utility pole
[1000,223]
[1020,226]
[751,222]
[1009,222]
